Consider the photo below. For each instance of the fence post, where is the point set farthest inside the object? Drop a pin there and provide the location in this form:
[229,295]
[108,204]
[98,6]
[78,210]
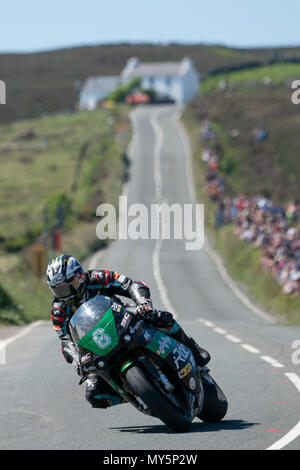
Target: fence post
[38,261]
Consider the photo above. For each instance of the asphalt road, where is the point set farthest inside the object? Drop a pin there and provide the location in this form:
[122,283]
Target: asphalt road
[42,406]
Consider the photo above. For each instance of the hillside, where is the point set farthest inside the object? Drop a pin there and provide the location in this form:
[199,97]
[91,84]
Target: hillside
[43,82]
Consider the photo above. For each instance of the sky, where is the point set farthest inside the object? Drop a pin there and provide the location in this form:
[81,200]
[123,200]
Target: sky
[35,25]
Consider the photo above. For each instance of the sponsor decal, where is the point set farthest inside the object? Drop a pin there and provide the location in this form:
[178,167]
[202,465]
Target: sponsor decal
[116,307]
[180,354]
[147,336]
[85,359]
[164,344]
[101,338]
[91,382]
[183,372]
[125,320]
[135,327]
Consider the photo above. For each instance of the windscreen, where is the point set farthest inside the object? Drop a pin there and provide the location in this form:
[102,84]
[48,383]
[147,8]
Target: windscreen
[88,315]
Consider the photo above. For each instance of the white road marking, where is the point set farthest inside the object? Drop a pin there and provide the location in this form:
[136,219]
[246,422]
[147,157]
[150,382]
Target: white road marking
[158,194]
[4,343]
[24,332]
[294,378]
[94,261]
[287,439]
[221,331]
[250,348]
[156,156]
[160,283]
[271,361]
[205,322]
[294,433]
[234,339]
[2,353]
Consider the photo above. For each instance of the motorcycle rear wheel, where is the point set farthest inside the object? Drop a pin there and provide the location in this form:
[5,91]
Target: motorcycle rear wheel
[159,405]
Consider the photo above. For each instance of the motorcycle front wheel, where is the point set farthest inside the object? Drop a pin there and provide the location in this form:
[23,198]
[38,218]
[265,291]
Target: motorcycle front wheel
[141,386]
[215,403]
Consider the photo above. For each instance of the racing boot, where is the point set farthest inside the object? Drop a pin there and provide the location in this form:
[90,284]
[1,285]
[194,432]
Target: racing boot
[99,394]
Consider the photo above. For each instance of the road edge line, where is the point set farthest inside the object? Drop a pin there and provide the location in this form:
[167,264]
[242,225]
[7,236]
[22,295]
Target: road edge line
[25,330]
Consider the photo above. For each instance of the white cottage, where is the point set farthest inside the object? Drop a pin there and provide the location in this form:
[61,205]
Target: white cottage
[176,80]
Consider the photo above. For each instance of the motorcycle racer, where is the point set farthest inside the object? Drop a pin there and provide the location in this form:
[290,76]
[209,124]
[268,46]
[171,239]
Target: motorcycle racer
[72,286]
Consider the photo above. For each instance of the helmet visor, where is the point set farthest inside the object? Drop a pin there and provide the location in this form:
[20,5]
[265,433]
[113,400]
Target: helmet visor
[66,289]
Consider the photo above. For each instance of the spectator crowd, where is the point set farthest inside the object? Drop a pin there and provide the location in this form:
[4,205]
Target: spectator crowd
[257,220]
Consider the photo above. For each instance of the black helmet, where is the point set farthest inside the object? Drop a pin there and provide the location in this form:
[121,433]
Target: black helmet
[65,277]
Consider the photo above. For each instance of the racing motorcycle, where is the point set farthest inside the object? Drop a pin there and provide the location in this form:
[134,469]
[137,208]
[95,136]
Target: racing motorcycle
[152,371]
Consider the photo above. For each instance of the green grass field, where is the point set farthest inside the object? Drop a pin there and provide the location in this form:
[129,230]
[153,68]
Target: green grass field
[33,170]
[277,73]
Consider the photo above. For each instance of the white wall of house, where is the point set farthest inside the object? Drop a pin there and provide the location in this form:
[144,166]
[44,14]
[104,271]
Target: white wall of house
[191,85]
[95,90]
[89,101]
[164,85]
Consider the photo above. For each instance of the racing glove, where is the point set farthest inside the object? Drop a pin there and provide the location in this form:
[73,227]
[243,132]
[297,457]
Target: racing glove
[69,351]
[160,319]
[145,308]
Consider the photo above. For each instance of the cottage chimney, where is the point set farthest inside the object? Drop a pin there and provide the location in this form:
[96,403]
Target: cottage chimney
[131,65]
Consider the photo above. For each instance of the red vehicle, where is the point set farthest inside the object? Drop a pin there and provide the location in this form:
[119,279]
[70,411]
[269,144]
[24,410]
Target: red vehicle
[137,98]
